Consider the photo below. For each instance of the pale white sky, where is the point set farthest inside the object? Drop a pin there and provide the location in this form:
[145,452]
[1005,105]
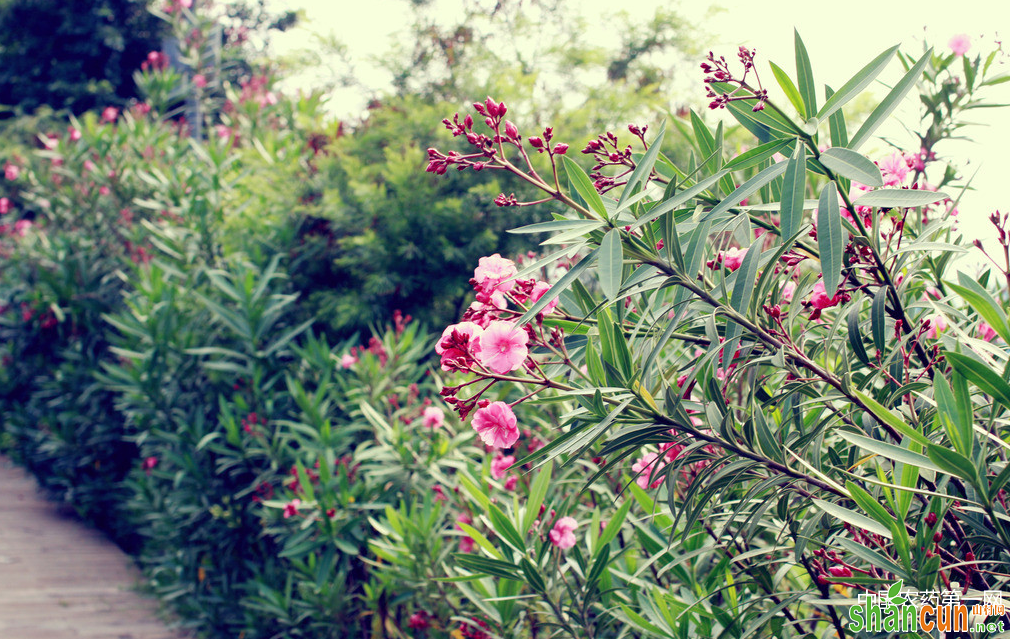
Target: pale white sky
[840,37]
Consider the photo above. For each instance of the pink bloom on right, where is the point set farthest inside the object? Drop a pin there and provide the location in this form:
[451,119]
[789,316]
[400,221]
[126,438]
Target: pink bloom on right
[563,533]
[496,425]
[960,44]
[986,332]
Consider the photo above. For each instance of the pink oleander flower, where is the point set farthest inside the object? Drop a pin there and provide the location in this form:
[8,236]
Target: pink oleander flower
[500,465]
[494,273]
[960,44]
[110,113]
[895,169]
[12,171]
[937,324]
[502,347]
[510,483]
[986,332]
[643,469]
[418,621]
[291,508]
[200,80]
[819,297]
[347,360]
[933,292]
[732,258]
[466,544]
[75,135]
[21,227]
[5,206]
[563,533]
[496,425]
[538,291]
[458,345]
[433,417]
[149,464]
[788,290]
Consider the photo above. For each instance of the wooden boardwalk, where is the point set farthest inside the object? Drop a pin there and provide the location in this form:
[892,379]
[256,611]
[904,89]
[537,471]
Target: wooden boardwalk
[60,579]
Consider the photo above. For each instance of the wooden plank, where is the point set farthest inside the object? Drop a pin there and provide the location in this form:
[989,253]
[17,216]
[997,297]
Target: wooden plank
[60,579]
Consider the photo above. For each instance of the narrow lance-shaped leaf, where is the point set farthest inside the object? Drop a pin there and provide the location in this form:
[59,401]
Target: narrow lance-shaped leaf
[584,186]
[830,238]
[743,291]
[793,186]
[805,76]
[644,168]
[786,83]
[884,109]
[900,198]
[981,375]
[611,264]
[853,165]
[856,84]
[747,189]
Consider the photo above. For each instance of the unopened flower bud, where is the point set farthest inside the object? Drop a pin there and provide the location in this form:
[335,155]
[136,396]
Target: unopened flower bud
[536,142]
[510,130]
[931,519]
[560,149]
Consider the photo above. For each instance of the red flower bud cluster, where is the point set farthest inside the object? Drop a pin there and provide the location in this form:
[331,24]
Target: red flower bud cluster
[717,72]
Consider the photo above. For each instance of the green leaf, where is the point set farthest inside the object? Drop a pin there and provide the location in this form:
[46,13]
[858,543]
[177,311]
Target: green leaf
[953,463]
[533,577]
[980,375]
[562,284]
[831,239]
[877,319]
[538,491]
[894,97]
[584,186]
[794,185]
[856,84]
[856,519]
[889,451]
[611,264]
[869,504]
[746,189]
[743,291]
[805,76]
[900,198]
[983,303]
[836,124]
[757,155]
[852,165]
[788,88]
[614,525]
[887,417]
[505,529]
[856,338]
[486,565]
[644,168]
[558,225]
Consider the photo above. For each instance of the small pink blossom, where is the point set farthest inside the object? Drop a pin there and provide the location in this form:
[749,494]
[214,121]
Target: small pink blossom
[5,206]
[149,464]
[433,417]
[458,345]
[291,508]
[819,297]
[110,113]
[937,324]
[200,80]
[538,291]
[21,227]
[732,258]
[496,425]
[894,168]
[347,360]
[788,290]
[643,468]
[933,292]
[494,273]
[418,621]
[960,44]
[500,465]
[75,135]
[986,332]
[510,482]
[502,347]
[12,171]
[563,533]
[466,544]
